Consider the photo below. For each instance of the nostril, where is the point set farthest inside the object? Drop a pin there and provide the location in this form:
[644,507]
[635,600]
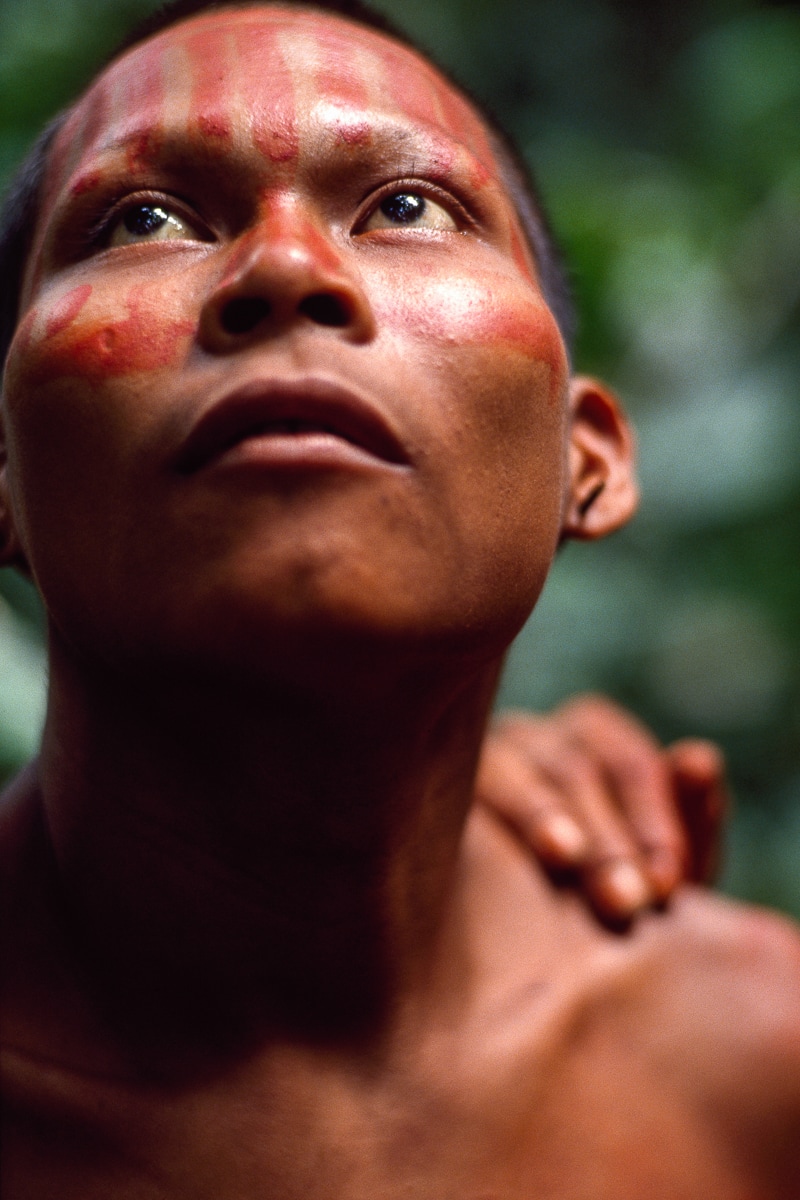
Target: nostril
[243,315]
[325,309]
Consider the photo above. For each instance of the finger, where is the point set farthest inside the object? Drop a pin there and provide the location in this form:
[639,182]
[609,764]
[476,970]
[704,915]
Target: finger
[639,776]
[509,785]
[612,874]
[619,889]
[703,800]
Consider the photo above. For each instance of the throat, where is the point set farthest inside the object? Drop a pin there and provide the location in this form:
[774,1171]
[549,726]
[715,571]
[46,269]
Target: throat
[260,870]
[308,914]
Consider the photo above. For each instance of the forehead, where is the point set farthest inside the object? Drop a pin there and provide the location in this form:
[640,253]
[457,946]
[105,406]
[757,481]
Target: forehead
[272,70]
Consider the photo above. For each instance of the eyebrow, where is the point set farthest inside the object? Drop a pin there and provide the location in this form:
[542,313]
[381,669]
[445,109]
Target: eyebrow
[187,145]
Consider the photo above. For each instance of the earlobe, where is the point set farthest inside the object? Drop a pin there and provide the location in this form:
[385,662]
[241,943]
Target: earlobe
[602,494]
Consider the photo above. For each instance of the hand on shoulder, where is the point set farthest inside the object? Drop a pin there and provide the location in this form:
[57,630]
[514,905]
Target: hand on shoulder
[592,792]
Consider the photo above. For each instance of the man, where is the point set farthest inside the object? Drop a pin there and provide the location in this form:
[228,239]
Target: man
[290,441]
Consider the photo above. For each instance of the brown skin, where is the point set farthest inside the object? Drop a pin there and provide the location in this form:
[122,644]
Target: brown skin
[603,805]
[255,947]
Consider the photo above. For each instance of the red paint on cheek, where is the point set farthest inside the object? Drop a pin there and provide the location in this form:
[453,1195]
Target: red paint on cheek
[497,316]
[530,330]
[66,310]
[144,341]
[22,336]
[267,88]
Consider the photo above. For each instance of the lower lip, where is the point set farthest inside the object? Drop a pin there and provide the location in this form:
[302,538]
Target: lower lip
[297,452]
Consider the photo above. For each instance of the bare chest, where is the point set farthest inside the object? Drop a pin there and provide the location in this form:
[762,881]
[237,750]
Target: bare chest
[563,1119]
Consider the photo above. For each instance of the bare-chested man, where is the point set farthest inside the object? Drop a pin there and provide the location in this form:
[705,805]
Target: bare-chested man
[290,441]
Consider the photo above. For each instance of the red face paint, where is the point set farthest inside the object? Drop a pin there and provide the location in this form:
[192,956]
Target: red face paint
[143,95]
[66,310]
[285,228]
[274,125]
[353,133]
[280,131]
[139,343]
[211,89]
[222,59]
[79,133]
[24,331]
[88,182]
[340,70]
[520,252]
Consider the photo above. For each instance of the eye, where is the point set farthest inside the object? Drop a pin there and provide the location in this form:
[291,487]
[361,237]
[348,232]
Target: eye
[409,210]
[148,221]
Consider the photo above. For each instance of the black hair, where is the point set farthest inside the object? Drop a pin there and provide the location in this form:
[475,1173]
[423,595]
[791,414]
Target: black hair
[20,210]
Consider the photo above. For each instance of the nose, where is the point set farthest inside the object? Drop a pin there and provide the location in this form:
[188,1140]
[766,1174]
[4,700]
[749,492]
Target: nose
[283,273]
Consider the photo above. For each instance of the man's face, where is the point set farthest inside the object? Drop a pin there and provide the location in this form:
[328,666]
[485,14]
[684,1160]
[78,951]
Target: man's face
[284,361]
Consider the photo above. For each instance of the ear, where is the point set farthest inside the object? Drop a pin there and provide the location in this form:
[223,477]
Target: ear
[603,494]
[11,552]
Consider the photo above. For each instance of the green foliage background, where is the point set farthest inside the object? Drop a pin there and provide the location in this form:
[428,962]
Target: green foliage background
[666,138]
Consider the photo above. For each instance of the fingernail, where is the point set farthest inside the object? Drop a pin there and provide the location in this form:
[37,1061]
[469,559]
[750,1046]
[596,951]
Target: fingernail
[626,886]
[665,870]
[567,837]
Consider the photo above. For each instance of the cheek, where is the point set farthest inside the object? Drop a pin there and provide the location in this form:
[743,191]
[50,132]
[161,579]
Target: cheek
[69,338]
[500,320]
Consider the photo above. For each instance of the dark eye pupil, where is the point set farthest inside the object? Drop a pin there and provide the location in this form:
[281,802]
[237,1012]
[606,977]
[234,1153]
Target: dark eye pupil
[403,207]
[145,218]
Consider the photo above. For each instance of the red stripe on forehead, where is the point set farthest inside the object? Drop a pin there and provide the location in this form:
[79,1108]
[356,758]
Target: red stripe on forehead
[414,89]
[211,83]
[81,129]
[266,85]
[409,86]
[144,92]
[461,119]
[341,72]
[144,97]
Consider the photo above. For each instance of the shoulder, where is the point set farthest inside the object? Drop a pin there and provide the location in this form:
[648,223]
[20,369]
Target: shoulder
[709,993]
[689,1022]
[734,968]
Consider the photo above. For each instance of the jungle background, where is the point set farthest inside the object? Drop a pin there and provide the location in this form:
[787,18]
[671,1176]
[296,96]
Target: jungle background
[666,140]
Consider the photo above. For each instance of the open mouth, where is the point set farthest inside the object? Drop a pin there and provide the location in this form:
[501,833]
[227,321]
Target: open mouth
[309,411]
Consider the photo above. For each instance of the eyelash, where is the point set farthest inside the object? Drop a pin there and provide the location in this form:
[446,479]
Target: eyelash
[422,187]
[100,230]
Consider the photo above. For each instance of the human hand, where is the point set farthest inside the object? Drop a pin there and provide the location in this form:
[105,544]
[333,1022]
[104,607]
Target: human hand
[593,793]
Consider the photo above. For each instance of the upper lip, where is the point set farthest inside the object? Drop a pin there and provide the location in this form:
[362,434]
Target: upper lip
[320,404]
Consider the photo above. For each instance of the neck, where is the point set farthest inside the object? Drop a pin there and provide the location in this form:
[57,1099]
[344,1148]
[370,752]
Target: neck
[290,859]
